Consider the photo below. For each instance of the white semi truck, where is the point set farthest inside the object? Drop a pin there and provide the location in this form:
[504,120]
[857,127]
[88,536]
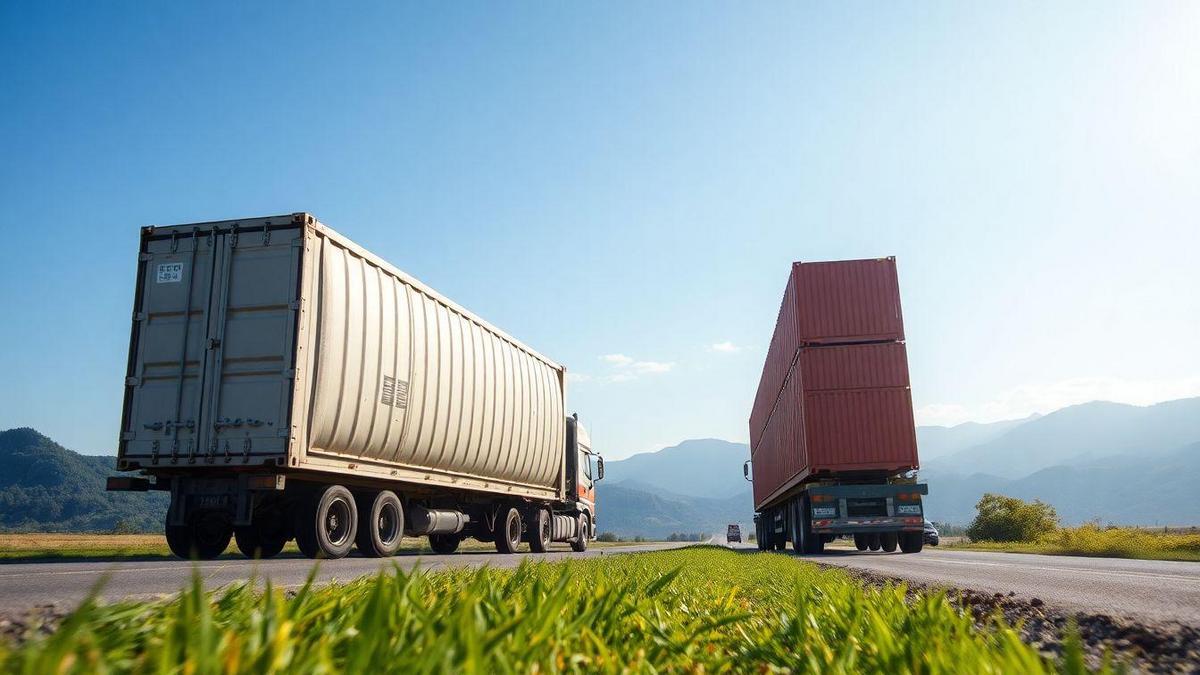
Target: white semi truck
[284,383]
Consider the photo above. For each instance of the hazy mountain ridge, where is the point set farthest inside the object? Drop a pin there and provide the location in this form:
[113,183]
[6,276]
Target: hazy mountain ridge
[1076,435]
[705,467]
[1128,489]
[1120,463]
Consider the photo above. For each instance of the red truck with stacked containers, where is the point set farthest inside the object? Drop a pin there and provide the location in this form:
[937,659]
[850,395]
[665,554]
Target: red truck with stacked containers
[833,448]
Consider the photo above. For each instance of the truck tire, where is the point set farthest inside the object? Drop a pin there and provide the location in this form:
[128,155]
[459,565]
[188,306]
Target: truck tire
[912,542]
[508,530]
[888,541]
[796,523]
[811,542]
[327,523]
[381,527]
[580,542]
[873,542]
[259,543]
[179,540]
[860,542]
[206,535]
[539,531]
[444,544]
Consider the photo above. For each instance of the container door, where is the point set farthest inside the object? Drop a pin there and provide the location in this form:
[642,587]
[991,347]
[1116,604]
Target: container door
[167,349]
[251,334]
[211,361]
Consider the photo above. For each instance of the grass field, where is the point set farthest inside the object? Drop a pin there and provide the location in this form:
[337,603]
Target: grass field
[700,609]
[1090,540]
[41,546]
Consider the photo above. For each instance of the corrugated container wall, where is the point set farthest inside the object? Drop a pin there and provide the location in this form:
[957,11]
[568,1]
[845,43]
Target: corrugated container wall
[292,346]
[847,301]
[838,407]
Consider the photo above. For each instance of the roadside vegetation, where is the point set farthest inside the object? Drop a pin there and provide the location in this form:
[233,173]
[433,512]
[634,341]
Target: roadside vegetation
[695,610]
[1093,539]
[1010,524]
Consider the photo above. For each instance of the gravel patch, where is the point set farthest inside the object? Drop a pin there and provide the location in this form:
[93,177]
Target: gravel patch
[1166,647]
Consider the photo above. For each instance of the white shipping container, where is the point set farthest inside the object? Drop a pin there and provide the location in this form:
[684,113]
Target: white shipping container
[278,342]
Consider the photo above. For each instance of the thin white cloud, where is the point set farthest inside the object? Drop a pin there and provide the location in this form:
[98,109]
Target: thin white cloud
[624,368]
[578,377]
[724,347]
[651,366]
[1043,398]
[618,377]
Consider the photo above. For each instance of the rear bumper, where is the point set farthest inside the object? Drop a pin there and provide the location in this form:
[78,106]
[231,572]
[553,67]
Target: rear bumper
[869,525]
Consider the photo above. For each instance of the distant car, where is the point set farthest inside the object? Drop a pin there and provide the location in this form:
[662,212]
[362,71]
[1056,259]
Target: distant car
[931,534]
[733,533]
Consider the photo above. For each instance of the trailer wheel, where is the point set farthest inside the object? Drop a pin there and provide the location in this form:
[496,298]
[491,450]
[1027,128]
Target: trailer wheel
[204,537]
[508,530]
[444,544]
[860,542]
[888,541]
[179,541]
[811,542]
[258,542]
[873,542]
[912,542]
[327,523]
[539,531]
[580,542]
[382,525]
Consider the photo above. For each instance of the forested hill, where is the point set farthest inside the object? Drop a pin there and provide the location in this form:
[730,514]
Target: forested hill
[46,487]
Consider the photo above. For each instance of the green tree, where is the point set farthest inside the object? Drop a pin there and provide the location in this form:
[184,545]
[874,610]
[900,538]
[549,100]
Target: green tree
[1003,518]
[608,536]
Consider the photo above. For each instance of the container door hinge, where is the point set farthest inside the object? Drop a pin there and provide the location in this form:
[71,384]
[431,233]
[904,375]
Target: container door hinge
[139,316]
[143,257]
[133,382]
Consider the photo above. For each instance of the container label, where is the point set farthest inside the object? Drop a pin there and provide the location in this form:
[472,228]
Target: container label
[169,273]
[393,392]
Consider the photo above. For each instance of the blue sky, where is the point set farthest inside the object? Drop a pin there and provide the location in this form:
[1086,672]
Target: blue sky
[623,186]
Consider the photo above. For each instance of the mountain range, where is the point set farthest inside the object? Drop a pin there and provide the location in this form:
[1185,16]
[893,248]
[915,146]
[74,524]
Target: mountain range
[1118,463]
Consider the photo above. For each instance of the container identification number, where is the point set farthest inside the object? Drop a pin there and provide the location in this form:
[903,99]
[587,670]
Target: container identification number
[169,273]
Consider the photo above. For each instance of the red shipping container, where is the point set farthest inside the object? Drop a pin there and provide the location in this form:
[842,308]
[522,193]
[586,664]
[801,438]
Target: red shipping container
[842,409]
[840,302]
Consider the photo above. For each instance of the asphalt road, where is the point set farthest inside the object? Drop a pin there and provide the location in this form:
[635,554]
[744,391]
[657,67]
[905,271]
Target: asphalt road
[1147,590]
[66,584]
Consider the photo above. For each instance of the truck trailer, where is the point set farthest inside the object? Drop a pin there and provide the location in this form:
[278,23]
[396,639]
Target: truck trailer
[833,447]
[284,383]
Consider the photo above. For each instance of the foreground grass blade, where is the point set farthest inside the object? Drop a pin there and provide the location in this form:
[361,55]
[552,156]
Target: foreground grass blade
[698,609]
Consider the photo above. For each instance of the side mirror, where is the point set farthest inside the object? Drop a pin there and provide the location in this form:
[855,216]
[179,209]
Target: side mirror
[599,467]
[746,469]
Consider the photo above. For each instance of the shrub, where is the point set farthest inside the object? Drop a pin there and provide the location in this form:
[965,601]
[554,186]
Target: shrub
[1010,519]
[608,536]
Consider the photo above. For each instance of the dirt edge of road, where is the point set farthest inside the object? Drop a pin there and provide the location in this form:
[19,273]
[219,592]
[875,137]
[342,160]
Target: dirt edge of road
[1164,647]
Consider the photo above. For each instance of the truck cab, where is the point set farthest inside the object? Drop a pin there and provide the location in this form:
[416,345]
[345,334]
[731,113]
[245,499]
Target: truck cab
[584,468]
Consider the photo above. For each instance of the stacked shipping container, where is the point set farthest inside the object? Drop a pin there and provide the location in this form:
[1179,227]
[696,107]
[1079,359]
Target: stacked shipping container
[834,394]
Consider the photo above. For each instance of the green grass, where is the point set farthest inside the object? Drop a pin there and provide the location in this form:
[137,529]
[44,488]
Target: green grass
[701,609]
[1091,540]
